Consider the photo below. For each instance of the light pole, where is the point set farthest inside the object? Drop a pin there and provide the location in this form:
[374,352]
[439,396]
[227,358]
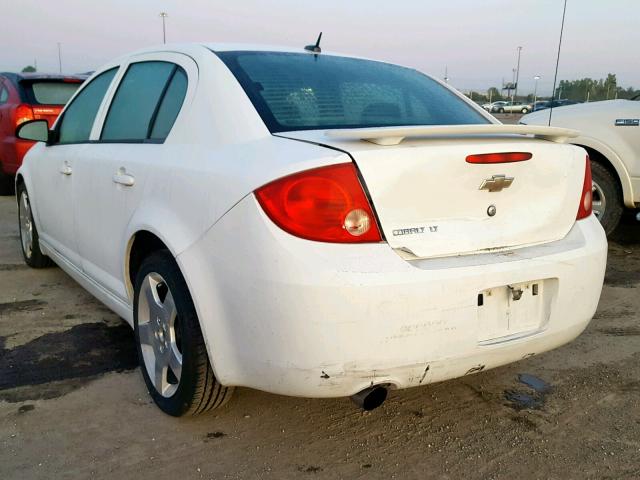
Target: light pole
[515,94]
[164,15]
[535,90]
[59,58]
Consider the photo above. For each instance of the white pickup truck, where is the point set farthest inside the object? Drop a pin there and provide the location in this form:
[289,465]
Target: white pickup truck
[610,132]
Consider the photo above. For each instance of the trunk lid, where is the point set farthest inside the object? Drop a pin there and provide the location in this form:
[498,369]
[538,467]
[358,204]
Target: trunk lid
[429,200]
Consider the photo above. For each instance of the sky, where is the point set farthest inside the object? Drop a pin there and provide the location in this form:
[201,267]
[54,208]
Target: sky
[476,40]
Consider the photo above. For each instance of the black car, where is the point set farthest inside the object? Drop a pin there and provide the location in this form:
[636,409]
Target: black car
[555,103]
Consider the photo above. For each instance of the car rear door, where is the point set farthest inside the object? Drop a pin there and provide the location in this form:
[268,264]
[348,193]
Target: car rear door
[128,146]
[53,177]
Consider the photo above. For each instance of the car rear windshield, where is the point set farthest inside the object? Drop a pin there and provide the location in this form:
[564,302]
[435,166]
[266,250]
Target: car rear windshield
[298,91]
[52,93]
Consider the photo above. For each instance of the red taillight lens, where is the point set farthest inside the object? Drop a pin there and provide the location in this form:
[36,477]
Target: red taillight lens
[22,113]
[586,199]
[325,204]
[505,157]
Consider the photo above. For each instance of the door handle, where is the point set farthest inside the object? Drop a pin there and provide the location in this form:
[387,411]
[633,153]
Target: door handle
[66,169]
[123,178]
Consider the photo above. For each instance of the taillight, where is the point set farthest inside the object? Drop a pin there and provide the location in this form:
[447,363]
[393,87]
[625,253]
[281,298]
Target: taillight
[325,204]
[22,113]
[504,157]
[586,199]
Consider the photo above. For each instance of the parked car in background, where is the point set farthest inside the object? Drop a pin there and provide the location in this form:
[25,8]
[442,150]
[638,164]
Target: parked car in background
[293,221]
[490,106]
[548,103]
[512,107]
[610,132]
[540,105]
[24,97]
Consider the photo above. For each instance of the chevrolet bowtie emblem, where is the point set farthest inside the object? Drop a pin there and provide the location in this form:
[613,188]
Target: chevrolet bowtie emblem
[496,183]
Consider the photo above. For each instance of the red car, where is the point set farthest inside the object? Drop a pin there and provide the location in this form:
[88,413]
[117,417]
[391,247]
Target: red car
[28,96]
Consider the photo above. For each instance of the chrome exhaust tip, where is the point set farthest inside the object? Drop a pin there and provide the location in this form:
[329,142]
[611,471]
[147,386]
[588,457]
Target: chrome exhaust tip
[370,398]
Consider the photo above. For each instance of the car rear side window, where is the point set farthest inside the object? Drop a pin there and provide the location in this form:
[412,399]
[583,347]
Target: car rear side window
[4,94]
[149,94]
[78,118]
[299,91]
[170,106]
[53,93]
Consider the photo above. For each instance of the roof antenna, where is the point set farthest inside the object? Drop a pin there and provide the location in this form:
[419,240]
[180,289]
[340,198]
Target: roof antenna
[315,48]
[555,77]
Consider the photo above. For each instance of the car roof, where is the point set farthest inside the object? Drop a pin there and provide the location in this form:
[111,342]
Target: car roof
[248,47]
[216,47]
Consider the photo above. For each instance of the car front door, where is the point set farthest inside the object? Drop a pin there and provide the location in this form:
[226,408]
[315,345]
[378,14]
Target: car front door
[53,179]
[629,130]
[127,145]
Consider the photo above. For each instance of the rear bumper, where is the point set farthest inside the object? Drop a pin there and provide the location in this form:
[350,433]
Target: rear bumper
[303,318]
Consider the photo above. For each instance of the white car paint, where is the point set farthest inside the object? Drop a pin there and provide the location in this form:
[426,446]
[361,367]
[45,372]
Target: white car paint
[620,145]
[306,318]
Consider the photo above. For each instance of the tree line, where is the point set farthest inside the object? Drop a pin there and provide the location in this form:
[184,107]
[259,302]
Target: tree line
[580,90]
[588,89]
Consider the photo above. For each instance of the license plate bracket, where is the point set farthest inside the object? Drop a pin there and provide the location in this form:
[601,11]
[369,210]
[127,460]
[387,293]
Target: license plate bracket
[513,310]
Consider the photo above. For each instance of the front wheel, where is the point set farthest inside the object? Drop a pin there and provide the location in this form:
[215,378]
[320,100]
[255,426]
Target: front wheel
[525,110]
[501,110]
[29,240]
[171,349]
[607,198]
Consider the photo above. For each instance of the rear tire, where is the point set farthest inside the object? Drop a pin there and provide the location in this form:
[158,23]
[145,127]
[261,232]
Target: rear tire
[173,357]
[29,239]
[7,183]
[607,197]
[525,110]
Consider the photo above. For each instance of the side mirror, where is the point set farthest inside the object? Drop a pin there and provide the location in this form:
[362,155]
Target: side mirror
[36,130]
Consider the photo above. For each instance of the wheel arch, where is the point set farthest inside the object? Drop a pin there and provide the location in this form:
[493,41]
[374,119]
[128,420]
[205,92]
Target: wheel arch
[19,180]
[22,179]
[140,245]
[604,155]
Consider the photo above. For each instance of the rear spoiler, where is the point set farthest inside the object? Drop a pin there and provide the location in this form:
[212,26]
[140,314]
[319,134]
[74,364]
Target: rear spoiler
[395,135]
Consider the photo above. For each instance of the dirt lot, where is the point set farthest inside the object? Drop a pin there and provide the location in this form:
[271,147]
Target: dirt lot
[73,404]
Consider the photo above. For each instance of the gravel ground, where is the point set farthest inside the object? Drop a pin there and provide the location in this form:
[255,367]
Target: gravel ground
[73,404]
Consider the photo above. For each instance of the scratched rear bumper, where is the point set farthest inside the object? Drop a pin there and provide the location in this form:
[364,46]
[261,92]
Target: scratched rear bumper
[322,320]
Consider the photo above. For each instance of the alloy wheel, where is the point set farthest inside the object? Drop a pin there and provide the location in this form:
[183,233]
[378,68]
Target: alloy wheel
[26,224]
[599,200]
[159,334]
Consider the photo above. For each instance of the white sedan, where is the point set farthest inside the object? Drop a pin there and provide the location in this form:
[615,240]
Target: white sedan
[309,224]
